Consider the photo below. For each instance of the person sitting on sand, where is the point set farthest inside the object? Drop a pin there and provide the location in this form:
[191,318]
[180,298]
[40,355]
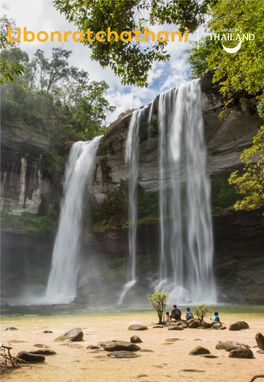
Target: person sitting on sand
[175,313]
[167,317]
[189,314]
[216,317]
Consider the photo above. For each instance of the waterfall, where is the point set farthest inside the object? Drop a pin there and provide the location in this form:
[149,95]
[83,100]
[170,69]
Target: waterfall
[132,160]
[62,283]
[186,241]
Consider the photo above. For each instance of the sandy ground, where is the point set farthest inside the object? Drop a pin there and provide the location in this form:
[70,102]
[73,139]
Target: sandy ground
[166,362]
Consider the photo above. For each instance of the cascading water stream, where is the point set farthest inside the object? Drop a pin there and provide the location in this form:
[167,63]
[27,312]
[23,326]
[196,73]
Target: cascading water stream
[62,283]
[186,242]
[132,160]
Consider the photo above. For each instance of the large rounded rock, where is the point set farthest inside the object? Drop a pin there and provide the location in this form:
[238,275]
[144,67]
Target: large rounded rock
[175,328]
[241,353]
[135,340]
[43,352]
[122,354]
[238,325]
[260,340]
[29,357]
[75,334]
[194,325]
[199,350]
[137,327]
[230,345]
[119,345]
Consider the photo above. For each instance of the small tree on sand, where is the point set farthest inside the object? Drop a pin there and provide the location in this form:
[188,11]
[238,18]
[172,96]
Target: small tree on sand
[201,311]
[158,301]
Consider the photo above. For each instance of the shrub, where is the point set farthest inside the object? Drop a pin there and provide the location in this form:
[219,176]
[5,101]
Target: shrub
[201,311]
[158,301]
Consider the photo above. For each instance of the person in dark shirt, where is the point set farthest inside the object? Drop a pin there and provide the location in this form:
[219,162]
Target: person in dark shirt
[175,313]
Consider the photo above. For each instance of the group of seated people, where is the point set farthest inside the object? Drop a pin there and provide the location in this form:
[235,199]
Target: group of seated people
[176,314]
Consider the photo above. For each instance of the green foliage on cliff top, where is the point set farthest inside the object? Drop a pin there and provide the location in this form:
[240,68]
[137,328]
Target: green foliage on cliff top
[251,183]
[31,223]
[113,212]
[223,194]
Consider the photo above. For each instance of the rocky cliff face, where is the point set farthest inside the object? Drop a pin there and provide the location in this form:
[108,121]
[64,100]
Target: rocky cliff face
[21,181]
[225,138]
[239,262]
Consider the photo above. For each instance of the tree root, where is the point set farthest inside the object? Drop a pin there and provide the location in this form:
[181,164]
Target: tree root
[7,361]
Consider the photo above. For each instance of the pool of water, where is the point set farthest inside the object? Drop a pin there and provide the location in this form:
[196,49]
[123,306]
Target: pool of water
[62,310]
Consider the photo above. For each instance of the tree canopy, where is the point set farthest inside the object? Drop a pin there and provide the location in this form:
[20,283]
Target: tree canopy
[240,71]
[131,60]
[54,98]
[8,71]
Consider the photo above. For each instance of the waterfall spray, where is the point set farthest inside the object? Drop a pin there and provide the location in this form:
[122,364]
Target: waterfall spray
[62,283]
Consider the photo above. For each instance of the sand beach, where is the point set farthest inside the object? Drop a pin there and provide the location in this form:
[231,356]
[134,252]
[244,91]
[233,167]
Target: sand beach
[164,354]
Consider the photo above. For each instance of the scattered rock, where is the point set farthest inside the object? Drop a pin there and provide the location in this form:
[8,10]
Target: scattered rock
[260,351]
[206,325]
[120,345]
[193,370]
[260,340]
[142,375]
[238,325]
[230,345]
[47,331]
[194,325]
[41,346]
[199,350]
[15,341]
[71,345]
[75,334]
[135,340]
[43,352]
[92,347]
[11,328]
[138,327]
[147,351]
[241,353]
[209,356]
[122,354]
[175,328]
[29,357]
[173,339]
[158,327]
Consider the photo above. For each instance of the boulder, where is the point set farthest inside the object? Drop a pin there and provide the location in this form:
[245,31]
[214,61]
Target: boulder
[135,340]
[41,346]
[119,345]
[43,352]
[29,357]
[92,347]
[199,350]
[260,340]
[230,345]
[175,328]
[238,325]
[137,327]
[122,354]
[194,325]
[241,353]
[75,334]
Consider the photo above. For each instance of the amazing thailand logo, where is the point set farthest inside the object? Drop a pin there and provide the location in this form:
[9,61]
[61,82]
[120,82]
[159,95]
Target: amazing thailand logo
[232,35]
